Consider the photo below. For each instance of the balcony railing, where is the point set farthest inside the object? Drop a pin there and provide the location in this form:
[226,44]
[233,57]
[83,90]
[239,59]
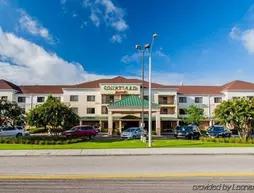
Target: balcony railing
[166,100]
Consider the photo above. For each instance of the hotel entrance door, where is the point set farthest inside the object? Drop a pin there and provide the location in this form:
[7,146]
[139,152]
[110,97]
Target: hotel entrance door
[127,124]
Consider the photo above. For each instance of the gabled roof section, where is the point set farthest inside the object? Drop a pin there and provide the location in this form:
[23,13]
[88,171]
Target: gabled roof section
[132,101]
[43,89]
[4,84]
[202,90]
[115,80]
[238,85]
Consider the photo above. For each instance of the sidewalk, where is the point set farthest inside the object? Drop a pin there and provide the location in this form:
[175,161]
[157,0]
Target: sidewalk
[130,152]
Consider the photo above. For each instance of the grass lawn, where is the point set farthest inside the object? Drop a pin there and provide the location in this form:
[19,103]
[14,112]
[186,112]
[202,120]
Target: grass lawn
[110,144]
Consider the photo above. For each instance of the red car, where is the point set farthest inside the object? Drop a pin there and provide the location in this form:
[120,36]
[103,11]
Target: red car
[81,131]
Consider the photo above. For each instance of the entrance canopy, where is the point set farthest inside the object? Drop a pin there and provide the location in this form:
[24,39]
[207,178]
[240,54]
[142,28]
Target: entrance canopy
[133,103]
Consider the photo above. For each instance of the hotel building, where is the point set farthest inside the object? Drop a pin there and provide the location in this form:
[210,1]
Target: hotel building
[115,103]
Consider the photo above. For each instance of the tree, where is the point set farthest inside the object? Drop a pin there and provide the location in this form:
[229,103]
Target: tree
[194,115]
[52,115]
[237,113]
[10,113]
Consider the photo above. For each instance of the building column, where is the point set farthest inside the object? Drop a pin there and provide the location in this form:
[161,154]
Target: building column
[100,124]
[211,122]
[178,122]
[110,123]
[158,124]
[120,126]
[80,122]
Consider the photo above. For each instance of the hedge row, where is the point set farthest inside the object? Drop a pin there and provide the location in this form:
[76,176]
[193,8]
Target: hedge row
[39,140]
[227,140]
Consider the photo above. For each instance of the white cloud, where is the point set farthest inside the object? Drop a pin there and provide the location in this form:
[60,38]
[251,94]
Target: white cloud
[83,25]
[24,62]
[32,26]
[95,19]
[235,33]
[248,40]
[106,12]
[159,56]
[117,38]
[246,37]
[133,58]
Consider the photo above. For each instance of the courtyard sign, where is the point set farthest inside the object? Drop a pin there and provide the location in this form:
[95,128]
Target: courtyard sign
[120,88]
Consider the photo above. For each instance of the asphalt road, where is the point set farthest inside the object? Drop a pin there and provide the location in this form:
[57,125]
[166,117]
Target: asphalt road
[152,185]
[127,166]
[126,174]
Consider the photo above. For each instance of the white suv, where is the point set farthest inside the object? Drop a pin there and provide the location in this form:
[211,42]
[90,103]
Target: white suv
[9,131]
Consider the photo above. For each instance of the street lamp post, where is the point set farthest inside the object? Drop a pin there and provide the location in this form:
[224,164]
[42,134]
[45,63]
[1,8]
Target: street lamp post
[142,50]
[150,91]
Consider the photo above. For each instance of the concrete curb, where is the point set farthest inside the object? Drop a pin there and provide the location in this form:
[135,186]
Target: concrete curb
[131,152]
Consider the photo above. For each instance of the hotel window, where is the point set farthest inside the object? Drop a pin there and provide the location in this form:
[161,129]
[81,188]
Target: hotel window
[217,99]
[163,100]
[182,99]
[21,99]
[74,98]
[107,99]
[171,110]
[198,99]
[182,112]
[164,110]
[90,110]
[40,99]
[104,110]
[90,98]
[74,110]
[146,98]
[4,98]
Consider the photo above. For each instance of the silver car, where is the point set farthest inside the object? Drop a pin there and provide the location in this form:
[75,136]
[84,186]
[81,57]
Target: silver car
[9,131]
[132,133]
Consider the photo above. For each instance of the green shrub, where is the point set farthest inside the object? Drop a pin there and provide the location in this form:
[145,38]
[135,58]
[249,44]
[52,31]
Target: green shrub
[104,130]
[226,140]
[59,142]
[37,130]
[41,142]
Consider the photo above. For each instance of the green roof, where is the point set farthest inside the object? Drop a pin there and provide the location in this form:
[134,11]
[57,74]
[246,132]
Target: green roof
[131,102]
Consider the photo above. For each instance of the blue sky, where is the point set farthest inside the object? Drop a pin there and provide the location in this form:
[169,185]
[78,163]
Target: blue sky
[69,41]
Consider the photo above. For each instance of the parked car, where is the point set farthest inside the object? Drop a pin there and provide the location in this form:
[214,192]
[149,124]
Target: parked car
[9,131]
[167,131]
[187,132]
[81,131]
[132,133]
[218,131]
[96,128]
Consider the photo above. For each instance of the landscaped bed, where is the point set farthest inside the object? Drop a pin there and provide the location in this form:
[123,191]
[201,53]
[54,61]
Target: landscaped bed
[117,143]
[40,140]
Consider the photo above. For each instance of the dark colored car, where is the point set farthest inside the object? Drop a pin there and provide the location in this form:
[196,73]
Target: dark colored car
[187,132]
[218,131]
[81,131]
